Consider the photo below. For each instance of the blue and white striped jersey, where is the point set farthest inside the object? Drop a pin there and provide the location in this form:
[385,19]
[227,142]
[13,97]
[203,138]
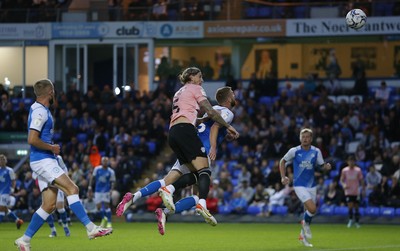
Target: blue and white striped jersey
[304,164]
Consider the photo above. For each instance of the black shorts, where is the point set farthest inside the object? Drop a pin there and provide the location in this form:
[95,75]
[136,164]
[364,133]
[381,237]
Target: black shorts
[185,143]
[352,198]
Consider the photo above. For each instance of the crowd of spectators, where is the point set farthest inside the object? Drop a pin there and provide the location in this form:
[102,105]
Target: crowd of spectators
[132,130]
[174,10]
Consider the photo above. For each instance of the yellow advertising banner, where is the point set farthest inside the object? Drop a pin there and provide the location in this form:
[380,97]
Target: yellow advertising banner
[245,28]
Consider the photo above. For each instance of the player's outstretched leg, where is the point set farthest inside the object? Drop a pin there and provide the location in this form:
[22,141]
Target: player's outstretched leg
[304,240]
[166,196]
[124,204]
[161,219]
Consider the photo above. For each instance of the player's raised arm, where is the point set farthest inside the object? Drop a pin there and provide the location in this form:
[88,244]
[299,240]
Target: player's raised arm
[214,115]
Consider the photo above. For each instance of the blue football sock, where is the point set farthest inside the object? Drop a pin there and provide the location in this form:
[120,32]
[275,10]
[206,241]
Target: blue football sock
[12,216]
[76,207]
[308,217]
[185,204]
[63,216]
[150,188]
[2,214]
[38,218]
[108,214]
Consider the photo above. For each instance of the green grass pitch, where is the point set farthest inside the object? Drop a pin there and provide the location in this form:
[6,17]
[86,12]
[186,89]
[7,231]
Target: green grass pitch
[200,236]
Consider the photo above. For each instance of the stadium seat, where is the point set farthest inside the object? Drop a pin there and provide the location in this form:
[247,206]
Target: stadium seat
[387,211]
[253,210]
[264,12]
[372,211]
[334,173]
[326,209]
[280,210]
[341,210]
[265,100]
[224,209]
[56,137]
[300,12]
[81,137]
[251,12]
[28,102]
[152,147]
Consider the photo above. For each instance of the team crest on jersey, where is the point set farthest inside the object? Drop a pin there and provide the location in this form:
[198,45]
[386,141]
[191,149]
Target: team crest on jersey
[203,149]
[37,122]
[56,169]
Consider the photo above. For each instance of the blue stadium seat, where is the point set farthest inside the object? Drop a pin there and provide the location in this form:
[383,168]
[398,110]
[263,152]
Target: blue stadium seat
[251,12]
[327,182]
[280,210]
[265,100]
[300,11]
[264,12]
[387,211]
[253,210]
[334,173]
[224,209]
[172,15]
[81,137]
[56,137]
[136,140]
[152,147]
[28,102]
[372,211]
[326,209]
[341,210]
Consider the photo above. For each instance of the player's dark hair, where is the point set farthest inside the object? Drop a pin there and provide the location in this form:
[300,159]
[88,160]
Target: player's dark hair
[222,94]
[185,76]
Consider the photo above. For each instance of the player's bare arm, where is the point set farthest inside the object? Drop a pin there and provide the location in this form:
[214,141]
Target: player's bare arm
[213,141]
[34,140]
[282,170]
[214,115]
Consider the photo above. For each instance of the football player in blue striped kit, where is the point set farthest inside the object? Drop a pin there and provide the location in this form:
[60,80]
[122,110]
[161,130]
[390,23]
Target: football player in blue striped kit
[306,159]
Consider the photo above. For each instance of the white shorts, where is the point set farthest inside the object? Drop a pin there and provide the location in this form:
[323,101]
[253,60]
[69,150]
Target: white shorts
[306,193]
[102,197]
[183,169]
[46,171]
[4,200]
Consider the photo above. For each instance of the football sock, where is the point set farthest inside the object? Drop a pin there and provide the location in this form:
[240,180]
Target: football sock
[50,221]
[149,189]
[12,215]
[38,218]
[171,188]
[204,183]
[308,217]
[108,214]
[350,214]
[76,207]
[2,214]
[357,215]
[63,216]
[186,203]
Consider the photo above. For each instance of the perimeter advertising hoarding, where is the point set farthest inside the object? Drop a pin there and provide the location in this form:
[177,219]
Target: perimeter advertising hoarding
[38,31]
[245,28]
[161,30]
[338,27]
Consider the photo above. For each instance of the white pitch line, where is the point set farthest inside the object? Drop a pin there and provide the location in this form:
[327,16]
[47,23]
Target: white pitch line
[359,248]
